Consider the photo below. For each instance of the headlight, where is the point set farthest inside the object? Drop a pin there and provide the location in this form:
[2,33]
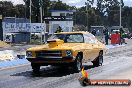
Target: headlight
[68,53]
[29,54]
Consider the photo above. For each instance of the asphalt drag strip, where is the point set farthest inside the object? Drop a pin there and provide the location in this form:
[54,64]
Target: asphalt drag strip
[115,61]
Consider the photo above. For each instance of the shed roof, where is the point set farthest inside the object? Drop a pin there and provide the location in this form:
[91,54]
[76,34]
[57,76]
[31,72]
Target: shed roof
[62,10]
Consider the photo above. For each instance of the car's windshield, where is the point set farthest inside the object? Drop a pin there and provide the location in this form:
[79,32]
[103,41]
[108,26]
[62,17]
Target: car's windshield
[68,38]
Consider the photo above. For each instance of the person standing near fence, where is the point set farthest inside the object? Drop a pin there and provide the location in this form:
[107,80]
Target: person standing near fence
[106,33]
[122,36]
[94,32]
[59,29]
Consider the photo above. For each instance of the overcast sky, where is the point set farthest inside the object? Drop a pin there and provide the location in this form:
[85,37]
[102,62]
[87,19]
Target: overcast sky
[77,3]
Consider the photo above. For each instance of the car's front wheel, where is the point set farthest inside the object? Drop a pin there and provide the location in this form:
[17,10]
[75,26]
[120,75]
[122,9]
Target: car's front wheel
[35,67]
[78,63]
[99,60]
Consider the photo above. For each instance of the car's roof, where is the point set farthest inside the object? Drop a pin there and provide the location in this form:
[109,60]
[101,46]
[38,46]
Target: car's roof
[77,32]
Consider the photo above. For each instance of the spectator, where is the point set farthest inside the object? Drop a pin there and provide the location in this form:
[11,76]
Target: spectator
[94,32]
[59,29]
[106,33]
[98,32]
[122,35]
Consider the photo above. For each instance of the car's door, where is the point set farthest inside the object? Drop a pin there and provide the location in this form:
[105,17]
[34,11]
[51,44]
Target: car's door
[95,46]
[92,48]
[88,50]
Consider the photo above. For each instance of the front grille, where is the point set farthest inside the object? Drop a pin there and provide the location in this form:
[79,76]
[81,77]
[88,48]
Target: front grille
[51,55]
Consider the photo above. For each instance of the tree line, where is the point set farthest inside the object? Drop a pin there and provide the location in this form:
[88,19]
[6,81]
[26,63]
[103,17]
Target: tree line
[106,12]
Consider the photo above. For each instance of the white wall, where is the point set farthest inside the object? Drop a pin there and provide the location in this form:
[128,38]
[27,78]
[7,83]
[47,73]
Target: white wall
[23,27]
[58,13]
[65,25]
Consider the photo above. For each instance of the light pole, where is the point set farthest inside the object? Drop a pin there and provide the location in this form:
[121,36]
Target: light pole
[30,20]
[120,15]
[41,15]
[25,11]
[30,11]
[1,31]
[87,14]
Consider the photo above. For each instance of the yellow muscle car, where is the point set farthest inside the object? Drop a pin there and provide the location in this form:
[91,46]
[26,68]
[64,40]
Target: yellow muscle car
[67,49]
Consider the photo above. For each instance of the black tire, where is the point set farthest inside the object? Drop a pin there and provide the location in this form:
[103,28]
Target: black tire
[63,67]
[78,63]
[99,60]
[35,67]
[84,83]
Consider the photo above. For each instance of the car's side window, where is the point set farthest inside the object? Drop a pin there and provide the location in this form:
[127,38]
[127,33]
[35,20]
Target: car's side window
[93,38]
[89,38]
[75,38]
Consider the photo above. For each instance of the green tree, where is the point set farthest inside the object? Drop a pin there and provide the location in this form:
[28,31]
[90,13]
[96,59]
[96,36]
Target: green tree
[20,11]
[7,9]
[46,5]
[59,5]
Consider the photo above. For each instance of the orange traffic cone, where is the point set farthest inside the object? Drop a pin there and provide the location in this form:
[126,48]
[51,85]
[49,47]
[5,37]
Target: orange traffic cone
[84,73]
[84,80]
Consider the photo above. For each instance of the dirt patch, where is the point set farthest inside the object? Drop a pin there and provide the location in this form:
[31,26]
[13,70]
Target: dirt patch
[3,44]
[6,55]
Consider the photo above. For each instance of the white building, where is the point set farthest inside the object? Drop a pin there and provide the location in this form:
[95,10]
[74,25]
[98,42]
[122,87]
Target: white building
[62,18]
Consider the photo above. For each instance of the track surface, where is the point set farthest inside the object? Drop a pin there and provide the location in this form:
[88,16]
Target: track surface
[115,61]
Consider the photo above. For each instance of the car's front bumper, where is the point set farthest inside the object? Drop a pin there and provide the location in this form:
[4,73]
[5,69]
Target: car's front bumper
[51,60]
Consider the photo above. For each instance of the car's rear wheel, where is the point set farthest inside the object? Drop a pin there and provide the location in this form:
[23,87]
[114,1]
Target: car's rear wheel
[99,60]
[78,63]
[35,67]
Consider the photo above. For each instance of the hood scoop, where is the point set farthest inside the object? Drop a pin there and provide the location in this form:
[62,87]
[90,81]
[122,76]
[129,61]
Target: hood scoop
[55,42]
